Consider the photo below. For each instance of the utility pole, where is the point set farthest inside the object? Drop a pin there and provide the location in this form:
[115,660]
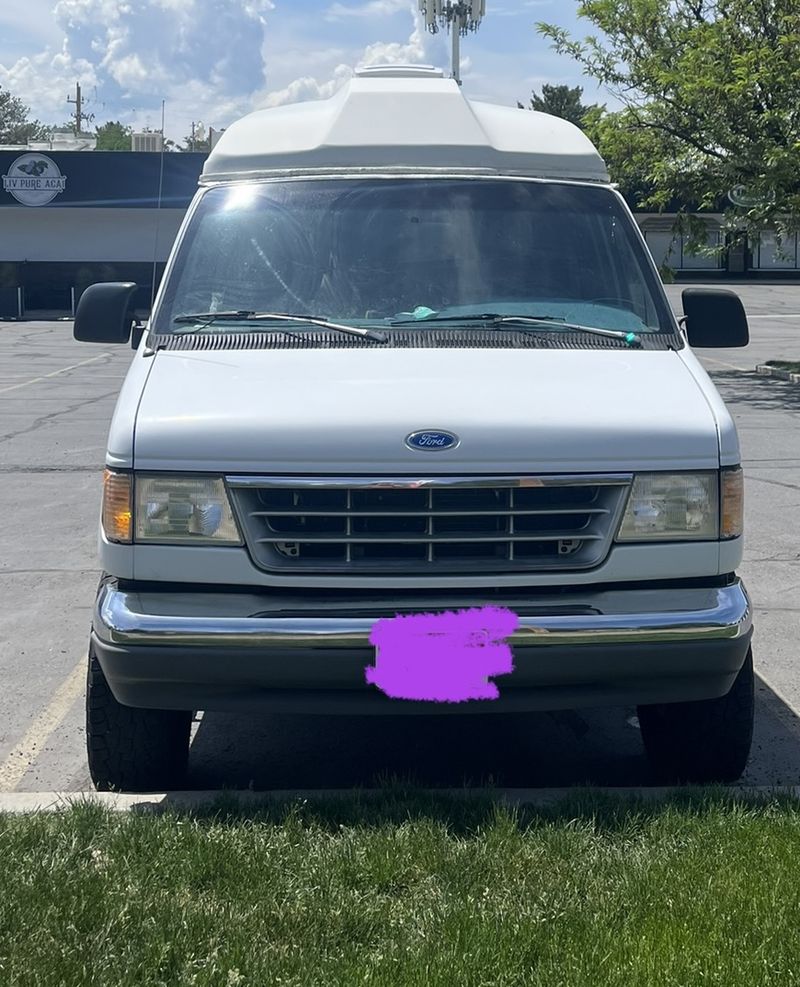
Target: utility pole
[79,115]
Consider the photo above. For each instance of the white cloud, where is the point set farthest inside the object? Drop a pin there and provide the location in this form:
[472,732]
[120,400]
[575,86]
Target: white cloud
[202,56]
[214,60]
[43,81]
[421,47]
[395,53]
[306,88]
[372,8]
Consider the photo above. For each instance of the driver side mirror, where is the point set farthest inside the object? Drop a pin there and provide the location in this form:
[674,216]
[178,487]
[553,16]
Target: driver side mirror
[105,313]
[715,318]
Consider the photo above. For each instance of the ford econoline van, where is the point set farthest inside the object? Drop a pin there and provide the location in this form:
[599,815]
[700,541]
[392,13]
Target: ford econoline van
[410,356]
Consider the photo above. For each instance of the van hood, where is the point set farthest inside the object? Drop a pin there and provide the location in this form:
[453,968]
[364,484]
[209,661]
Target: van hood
[350,410]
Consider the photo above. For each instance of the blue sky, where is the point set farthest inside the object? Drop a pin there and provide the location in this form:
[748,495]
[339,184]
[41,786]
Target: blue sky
[213,60]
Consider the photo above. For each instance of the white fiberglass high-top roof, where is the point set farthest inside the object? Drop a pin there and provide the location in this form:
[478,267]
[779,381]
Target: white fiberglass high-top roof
[403,119]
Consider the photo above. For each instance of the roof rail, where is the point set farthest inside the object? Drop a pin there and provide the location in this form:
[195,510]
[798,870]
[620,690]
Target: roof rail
[400,72]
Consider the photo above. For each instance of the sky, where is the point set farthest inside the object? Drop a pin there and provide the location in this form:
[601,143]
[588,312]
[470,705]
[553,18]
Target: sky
[215,60]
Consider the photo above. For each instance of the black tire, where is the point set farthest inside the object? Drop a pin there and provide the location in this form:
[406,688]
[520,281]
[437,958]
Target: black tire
[702,742]
[133,750]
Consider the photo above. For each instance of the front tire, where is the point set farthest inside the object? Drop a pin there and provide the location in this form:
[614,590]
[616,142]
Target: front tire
[702,742]
[133,750]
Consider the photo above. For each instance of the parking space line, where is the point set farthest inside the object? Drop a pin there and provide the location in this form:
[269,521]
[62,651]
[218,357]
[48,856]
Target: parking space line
[721,363]
[25,753]
[55,373]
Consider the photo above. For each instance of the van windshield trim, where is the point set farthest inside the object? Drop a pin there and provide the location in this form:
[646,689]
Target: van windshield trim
[483,208]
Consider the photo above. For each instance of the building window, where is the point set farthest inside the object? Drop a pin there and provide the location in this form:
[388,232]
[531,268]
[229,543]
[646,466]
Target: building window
[672,251]
[665,248]
[769,257]
[701,262]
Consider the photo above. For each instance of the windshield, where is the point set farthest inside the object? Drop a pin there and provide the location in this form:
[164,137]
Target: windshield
[370,251]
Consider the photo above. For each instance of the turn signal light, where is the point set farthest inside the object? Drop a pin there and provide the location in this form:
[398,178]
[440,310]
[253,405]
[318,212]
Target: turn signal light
[117,506]
[732,514]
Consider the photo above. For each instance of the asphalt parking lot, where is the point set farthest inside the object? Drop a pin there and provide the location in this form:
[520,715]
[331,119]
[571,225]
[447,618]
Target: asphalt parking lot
[56,399]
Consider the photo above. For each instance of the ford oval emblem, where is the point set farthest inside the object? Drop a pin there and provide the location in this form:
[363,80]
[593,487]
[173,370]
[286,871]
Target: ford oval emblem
[432,440]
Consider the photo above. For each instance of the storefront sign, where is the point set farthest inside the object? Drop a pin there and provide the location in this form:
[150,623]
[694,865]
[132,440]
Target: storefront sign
[34,179]
[746,199]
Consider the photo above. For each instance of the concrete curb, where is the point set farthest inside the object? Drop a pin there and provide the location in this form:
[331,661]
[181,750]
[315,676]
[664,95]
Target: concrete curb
[763,370]
[21,803]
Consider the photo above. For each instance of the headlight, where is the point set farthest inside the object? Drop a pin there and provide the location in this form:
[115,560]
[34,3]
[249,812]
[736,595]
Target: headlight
[183,510]
[672,507]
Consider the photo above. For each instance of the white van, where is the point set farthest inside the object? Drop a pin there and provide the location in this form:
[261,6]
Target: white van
[411,355]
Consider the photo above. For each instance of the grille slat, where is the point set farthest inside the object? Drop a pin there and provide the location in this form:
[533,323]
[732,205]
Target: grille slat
[431,525]
[424,539]
[353,514]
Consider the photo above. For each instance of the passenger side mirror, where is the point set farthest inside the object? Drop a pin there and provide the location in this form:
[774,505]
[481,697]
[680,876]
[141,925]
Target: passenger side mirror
[105,313]
[715,318]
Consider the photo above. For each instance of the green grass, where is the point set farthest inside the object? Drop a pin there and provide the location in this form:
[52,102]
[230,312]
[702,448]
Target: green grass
[406,889]
[793,366]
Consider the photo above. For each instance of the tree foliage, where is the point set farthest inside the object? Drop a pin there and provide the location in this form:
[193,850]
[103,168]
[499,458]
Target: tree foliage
[113,136]
[710,91]
[200,142]
[562,101]
[16,125]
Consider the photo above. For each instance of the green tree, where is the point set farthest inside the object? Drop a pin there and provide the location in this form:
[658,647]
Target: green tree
[16,126]
[201,141]
[564,102]
[709,90]
[113,136]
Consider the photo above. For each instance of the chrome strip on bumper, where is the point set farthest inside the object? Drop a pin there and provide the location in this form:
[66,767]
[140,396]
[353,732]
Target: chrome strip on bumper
[121,620]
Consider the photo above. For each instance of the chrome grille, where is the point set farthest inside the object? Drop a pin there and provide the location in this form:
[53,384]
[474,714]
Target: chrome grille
[435,525]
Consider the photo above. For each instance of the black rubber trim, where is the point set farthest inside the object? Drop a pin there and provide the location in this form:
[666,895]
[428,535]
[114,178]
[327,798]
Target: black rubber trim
[428,337]
[526,594]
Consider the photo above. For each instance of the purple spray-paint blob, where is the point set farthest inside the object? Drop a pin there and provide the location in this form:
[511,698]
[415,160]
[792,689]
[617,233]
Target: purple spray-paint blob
[442,657]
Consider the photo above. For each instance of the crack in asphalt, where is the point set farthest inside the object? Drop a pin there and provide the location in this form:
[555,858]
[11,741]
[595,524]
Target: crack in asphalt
[27,572]
[55,415]
[34,470]
[774,483]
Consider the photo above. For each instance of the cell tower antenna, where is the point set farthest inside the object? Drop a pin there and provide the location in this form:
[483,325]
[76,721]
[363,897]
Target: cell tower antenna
[459,17]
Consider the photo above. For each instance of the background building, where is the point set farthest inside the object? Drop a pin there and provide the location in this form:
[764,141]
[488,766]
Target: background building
[70,218]
[749,259]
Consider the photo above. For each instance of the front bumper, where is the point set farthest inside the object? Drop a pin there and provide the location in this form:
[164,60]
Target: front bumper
[172,649]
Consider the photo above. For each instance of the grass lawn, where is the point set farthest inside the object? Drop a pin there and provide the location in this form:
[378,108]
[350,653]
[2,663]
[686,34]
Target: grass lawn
[793,366]
[404,888]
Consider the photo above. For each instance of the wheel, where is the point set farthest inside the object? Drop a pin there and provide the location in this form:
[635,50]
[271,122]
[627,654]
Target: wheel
[133,750]
[705,741]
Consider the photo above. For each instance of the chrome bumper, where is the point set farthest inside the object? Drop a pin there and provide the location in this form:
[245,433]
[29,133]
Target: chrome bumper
[125,618]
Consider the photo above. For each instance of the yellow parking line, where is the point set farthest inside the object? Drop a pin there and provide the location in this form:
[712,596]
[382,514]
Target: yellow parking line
[55,373]
[43,727]
[721,363]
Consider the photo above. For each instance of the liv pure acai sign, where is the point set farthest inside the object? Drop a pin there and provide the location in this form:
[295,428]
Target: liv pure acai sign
[34,179]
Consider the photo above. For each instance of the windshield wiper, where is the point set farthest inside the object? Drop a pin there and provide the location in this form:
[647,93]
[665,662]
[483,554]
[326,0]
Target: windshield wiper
[629,338]
[496,320]
[207,319]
